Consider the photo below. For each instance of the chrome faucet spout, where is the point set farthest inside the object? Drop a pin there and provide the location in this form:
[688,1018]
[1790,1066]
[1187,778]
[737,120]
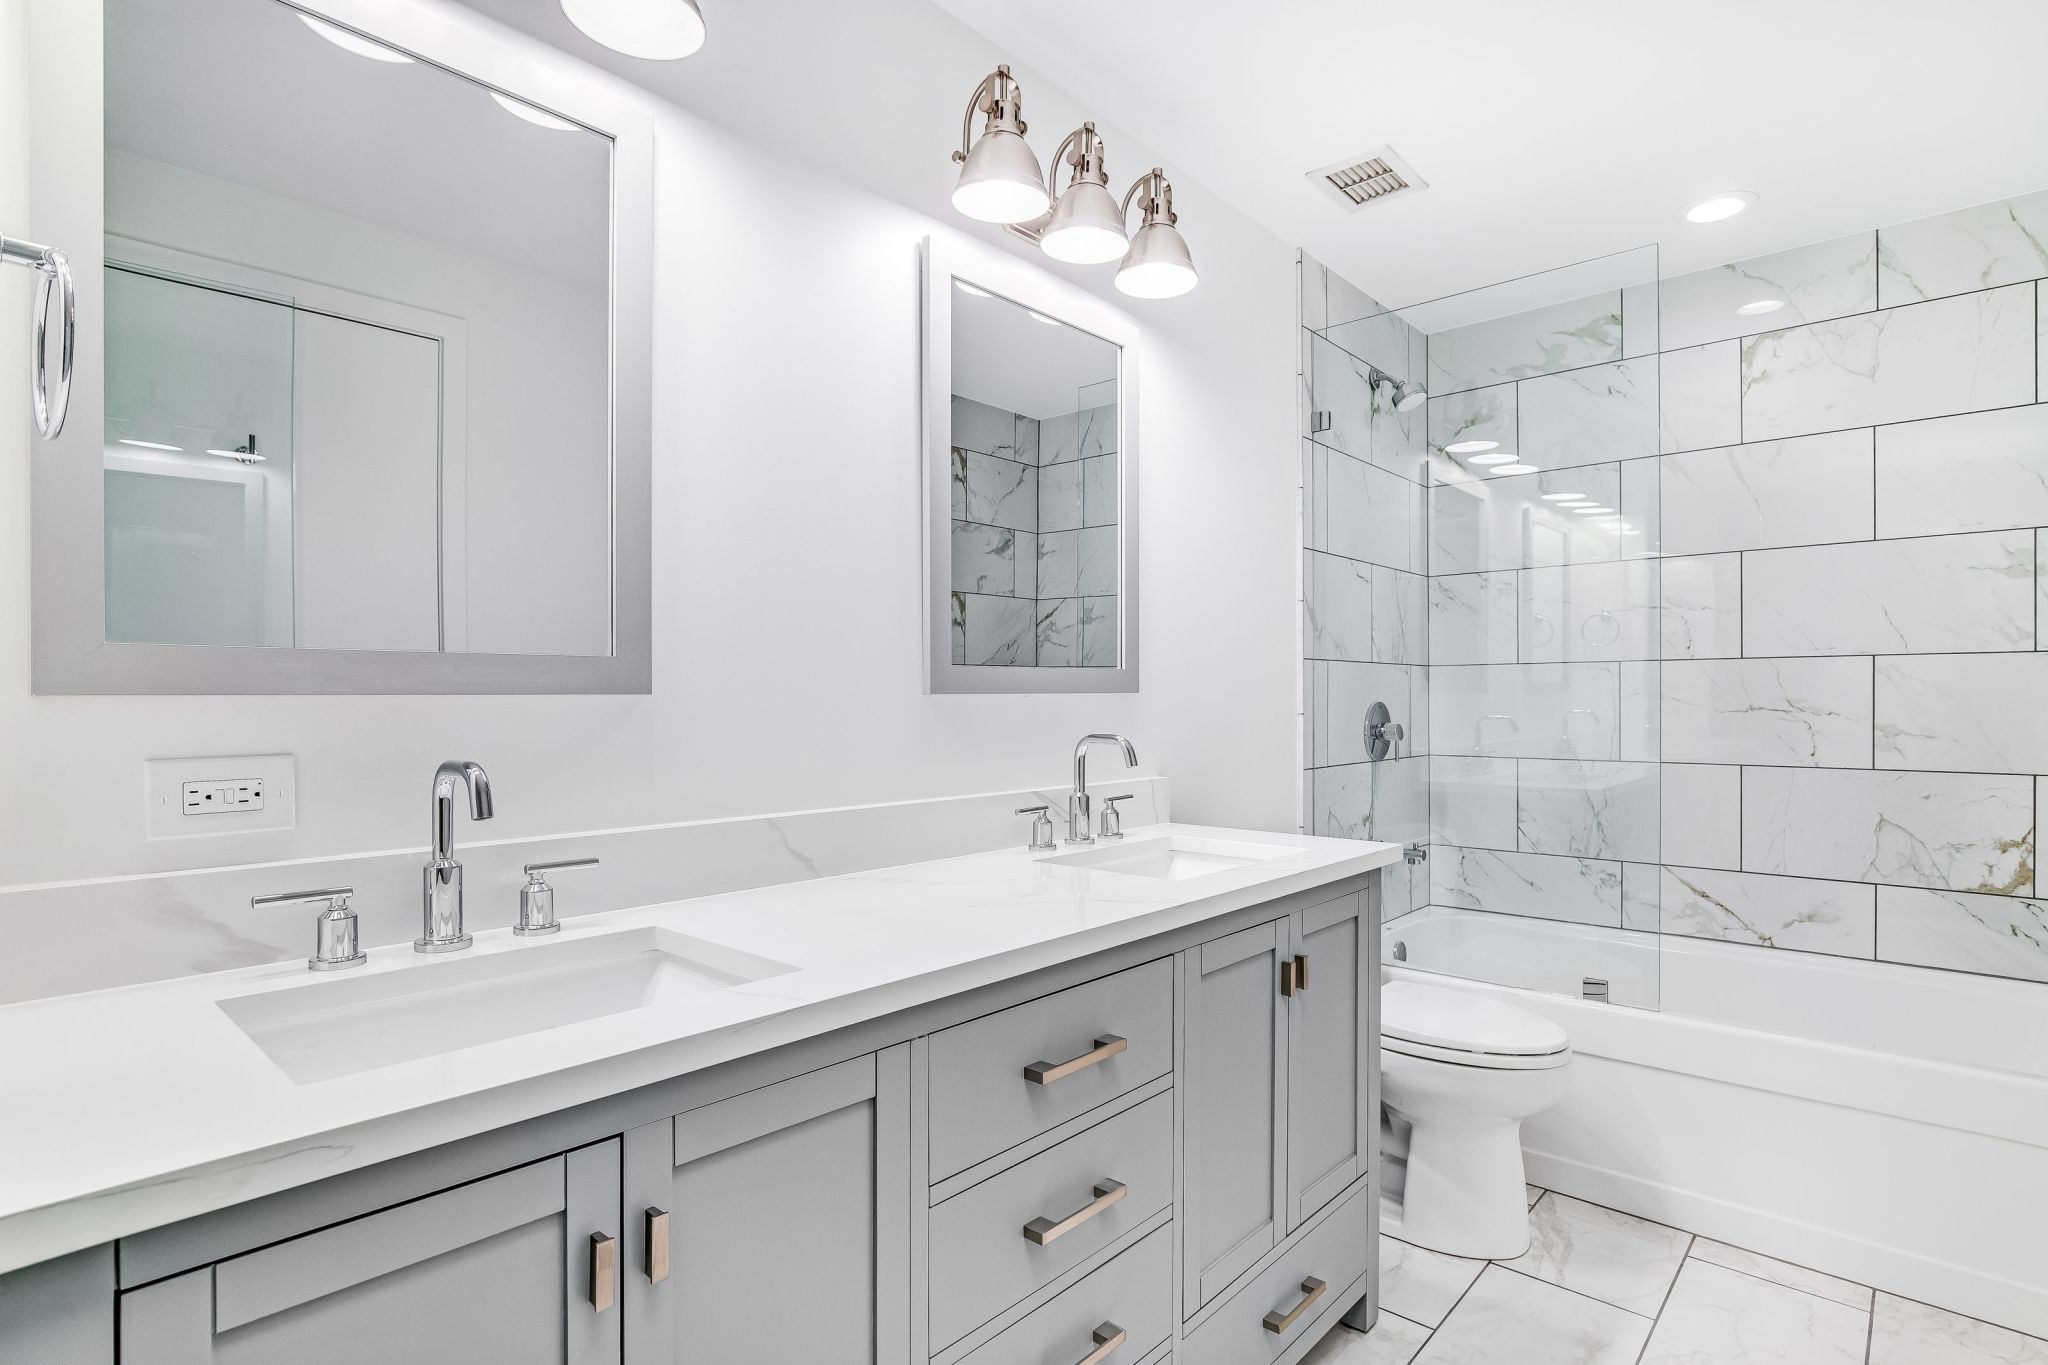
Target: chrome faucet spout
[441,898]
[1077,800]
[445,777]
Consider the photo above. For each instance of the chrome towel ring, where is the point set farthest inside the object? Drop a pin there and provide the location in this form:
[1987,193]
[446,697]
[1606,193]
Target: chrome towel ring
[49,382]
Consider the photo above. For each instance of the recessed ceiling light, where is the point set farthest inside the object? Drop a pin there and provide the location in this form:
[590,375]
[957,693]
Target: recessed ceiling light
[1564,497]
[1040,317]
[350,41]
[1513,469]
[659,30]
[1716,207]
[1498,457]
[148,445]
[974,289]
[539,118]
[1760,307]
[1591,510]
[1470,447]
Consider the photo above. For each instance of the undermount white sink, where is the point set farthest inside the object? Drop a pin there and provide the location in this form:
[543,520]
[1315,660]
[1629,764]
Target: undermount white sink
[1174,858]
[329,1028]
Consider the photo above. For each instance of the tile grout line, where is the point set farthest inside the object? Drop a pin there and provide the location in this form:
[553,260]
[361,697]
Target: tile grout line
[1691,1241]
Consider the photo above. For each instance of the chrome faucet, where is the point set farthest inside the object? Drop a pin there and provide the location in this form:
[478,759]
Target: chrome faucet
[1077,800]
[441,907]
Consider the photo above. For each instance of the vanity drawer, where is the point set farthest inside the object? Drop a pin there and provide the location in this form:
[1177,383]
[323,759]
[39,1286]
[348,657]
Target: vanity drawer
[1133,1293]
[983,1103]
[1334,1252]
[983,1253]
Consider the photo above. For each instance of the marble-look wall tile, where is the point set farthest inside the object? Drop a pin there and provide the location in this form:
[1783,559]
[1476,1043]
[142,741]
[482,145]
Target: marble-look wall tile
[1526,710]
[1315,496]
[1098,632]
[1642,509]
[1603,610]
[1059,497]
[1587,810]
[997,630]
[1472,618]
[1535,885]
[1811,284]
[1981,471]
[1096,432]
[1954,831]
[1701,810]
[1641,730]
[999,492]
[1559,336]
[1976,248]
[1472,801]
[1058,627]
[1813,711]
[1340,599]
[1923,360]
[1751,497]
[1963,712]
[1505,523]
[983,429]
[1098,567]
[1931,595]
[1098,491]
[1059,564]
[1059,438]
[1772,912]
[1378,338]
[1994,935]
[1399,617]
[1349,690]
[1700,397]
[1340,390]
[1371,514]
[1641,896]
[1596,415]
[1026,440]
[1380,801]
[1702,606]
[1640,334]
[1475,415]
[984,559]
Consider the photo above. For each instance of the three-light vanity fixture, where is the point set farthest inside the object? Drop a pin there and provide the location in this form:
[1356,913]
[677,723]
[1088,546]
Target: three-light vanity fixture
[1082,223]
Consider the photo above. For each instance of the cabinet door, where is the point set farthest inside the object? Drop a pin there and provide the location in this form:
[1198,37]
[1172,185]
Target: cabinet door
[787,1224]
[1329,1127]
[1233,1091]
[502,1269]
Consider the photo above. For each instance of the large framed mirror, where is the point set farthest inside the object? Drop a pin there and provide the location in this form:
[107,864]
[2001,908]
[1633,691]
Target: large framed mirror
[362,395]
[1030,479]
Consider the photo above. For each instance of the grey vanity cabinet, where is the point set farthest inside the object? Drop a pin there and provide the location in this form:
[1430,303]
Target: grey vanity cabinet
[515,1269]
[1332,1118]
[774,1226]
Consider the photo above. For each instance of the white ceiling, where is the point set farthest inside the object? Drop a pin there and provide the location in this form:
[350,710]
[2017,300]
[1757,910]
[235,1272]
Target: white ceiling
[1554,130]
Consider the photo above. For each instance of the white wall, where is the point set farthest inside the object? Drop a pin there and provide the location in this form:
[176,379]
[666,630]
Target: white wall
[786,548]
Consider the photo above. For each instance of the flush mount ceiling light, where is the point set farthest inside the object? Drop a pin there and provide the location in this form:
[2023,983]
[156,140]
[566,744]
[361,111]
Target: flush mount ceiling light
[349,41]
[1760,307]
[659,30]
[539,118]
[1470,447]
[1716,207]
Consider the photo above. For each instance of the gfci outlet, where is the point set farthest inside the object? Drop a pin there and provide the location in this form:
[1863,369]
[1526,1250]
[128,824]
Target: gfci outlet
[189,798]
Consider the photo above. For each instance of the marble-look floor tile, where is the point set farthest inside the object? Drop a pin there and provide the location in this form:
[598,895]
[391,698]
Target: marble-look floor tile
[1596,415]
[1614,1257]
[1701,599]
[1955,253]
[1993,935]
[1340,600]
[1472,618]
[1533,885]
[1782,1272]
[1813,711]
[1531,1193]
[1393,1340]
[1963,712]
[1587,810]
[1699,392]
[1812,283]
[1420,1285]
[1981,471]
[1559,336]
[1701,810]
[1472,801]
[1719,1316]
[1957,354]
[1929,595]
[1906,1333]
[1953,831]
[1512,1318]
[1838,918]
[1753,497]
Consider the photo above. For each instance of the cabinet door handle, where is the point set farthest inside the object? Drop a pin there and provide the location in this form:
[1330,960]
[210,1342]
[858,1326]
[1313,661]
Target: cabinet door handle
[1286,977]
[1040,1231]
[1108,1337]
[657,1245]
[1311,1290]
[1106,1047]
[1300,972]
[604,1266]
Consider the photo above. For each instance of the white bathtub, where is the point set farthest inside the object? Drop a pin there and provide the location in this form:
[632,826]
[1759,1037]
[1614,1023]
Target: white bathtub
[1886,1124]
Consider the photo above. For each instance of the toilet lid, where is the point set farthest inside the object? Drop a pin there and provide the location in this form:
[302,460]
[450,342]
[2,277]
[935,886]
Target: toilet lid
[1465,1021]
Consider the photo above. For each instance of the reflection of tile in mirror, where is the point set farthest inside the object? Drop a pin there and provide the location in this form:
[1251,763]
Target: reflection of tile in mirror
[1097,431]
[1059,496]
[1098,632]
[1001,492]
[1059,564]
[1027,440]
[984,429]
[998,630]
[984,559]
[1098,491]
[1059,633]
[1059,438]
[1097,571]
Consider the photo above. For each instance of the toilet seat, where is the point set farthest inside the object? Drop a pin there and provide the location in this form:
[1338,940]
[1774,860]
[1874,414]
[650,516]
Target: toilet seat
[1466,1029]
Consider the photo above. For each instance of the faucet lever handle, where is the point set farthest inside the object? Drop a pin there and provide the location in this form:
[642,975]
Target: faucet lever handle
[1112,818]
[535,870]
[334,932]
[537,898]
[1041,828]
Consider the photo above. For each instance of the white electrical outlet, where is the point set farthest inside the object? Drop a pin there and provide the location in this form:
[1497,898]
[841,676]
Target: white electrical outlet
[195,797]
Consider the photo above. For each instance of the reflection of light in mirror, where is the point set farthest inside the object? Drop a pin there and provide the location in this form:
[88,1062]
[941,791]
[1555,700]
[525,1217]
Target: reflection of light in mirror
[1504,457]
[1591,511]
[1470,447]
[1040,317]
[149,445]
[972,289]
[1761,306]
[659,30]
[539,118]
[1564,497]
[1716,207]
[1514,469]
[243,456]
[353,42]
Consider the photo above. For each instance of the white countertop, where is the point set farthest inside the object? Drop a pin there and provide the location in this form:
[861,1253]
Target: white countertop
[127,1109]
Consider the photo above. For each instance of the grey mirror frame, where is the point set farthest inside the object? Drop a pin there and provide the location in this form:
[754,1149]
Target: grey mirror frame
[71,655]
[942,261]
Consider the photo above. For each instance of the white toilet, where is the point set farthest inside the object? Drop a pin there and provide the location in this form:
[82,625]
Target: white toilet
[1462,1071]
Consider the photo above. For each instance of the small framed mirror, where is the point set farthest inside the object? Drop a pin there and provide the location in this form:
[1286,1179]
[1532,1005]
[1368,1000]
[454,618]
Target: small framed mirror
[1030,480]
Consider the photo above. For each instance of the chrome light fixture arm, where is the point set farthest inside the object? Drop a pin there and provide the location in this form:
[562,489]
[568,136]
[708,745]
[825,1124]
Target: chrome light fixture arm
[1000,100]
[51,396]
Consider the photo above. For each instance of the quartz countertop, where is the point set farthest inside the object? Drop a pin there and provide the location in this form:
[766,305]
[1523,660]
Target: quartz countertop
[126,1109]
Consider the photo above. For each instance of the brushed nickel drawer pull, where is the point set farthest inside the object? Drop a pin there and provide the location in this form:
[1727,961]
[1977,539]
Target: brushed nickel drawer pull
[1311,1290]
[1108,1337]
[657,1245]
[1041,1231]
[604,1267]
[1106,1047]
[1300,972]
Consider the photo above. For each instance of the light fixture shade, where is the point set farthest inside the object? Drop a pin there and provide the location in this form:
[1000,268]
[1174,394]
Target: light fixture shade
[1086,228]
[659,30]
[1000,181]
[1158,265]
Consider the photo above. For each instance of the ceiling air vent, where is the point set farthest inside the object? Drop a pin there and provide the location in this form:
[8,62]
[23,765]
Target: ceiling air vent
[1367,180]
